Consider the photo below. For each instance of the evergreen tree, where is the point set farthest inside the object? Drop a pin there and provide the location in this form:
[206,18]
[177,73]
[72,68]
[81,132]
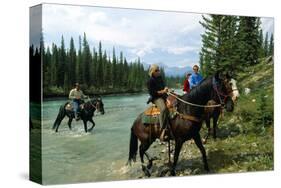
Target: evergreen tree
[219,43]
[54,65]
[261,44]
[72,64]
[100,78]
[266,47]
[113,69]
[248,41]
[61,64]
[126,73]
[86,58]
[271,46]
[79,64]
[94,67]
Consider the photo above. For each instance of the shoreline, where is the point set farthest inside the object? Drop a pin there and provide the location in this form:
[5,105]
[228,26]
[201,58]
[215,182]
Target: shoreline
[91,95]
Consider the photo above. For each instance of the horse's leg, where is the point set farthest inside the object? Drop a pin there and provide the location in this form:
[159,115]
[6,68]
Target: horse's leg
[69,122]
[198,142]
[85,125]
[143,147]
[150,160]
[207,120]
[59,118]
[59,122]
[215,123]
[93,124]
[178,146]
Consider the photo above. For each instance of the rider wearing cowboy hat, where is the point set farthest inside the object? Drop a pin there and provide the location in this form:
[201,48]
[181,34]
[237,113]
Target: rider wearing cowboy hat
[76,94]
[158,95]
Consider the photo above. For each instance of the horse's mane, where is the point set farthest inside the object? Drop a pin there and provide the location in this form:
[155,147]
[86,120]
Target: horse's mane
[198,95]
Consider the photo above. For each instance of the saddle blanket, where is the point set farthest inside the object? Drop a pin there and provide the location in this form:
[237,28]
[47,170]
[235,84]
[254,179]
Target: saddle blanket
[151,115]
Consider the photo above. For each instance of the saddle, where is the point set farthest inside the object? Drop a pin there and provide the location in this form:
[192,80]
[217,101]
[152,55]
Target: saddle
[69,106]
[151,114]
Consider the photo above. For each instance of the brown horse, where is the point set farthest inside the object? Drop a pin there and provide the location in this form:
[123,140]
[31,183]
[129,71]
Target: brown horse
[214,113]
[184,126]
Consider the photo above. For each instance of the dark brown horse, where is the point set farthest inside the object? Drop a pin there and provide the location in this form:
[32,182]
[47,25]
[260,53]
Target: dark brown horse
[214,113]
[86,113]
[184,126]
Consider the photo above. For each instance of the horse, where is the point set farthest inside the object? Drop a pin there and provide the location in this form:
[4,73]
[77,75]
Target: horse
[87,110]
[214,113]
[184,126]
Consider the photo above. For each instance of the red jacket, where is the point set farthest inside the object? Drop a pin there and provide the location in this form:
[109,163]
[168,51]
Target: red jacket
[186,87]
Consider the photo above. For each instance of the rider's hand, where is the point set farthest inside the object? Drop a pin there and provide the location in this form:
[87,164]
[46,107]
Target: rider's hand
[78,97]
[166,89]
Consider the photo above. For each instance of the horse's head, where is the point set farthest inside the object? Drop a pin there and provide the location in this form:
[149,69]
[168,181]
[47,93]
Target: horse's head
[235,91]
[222,86]
[99,105]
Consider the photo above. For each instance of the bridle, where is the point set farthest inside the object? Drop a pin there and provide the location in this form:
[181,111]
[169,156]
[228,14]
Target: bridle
[93,105]
[222,97]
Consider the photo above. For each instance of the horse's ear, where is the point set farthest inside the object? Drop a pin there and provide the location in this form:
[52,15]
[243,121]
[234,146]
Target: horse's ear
[229,75]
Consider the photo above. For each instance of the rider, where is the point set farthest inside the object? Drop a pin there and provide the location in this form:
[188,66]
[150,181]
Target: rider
[195,77]
[158,95]
[186,87]
[76,94]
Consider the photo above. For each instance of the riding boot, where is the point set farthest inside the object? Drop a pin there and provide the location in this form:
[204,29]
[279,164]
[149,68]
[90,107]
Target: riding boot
[164,136]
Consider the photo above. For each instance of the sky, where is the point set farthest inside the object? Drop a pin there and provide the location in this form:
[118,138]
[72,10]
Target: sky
[170,38]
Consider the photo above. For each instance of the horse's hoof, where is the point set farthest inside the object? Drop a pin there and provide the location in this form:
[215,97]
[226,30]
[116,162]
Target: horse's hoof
[149,165]
[173,172]
[129,163]
[146,171]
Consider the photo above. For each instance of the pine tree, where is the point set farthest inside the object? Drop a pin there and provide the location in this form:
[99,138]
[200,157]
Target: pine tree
[219,43]
[126,73]
[86,58]
[54,65]
[79,64]
[100,68]
[61,64]
[266,47]
[271,46]
[92,68]
[248,41]
[113,69]
[261,44]
[72,64]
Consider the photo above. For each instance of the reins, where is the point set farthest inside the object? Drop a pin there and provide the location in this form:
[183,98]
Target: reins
[91,103]
[192,104]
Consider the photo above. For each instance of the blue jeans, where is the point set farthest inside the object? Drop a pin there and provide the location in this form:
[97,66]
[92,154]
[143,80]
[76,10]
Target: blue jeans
[76,103]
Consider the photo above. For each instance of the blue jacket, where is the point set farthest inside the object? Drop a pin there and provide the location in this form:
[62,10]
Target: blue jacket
[194,80]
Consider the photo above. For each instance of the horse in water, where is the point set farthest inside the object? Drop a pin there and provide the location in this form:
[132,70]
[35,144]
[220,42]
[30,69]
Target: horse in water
[87,110]
[215,112]
[184,126]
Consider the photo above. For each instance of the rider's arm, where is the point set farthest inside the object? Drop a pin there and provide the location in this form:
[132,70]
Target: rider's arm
[192,82]
[82,95]
[71,95]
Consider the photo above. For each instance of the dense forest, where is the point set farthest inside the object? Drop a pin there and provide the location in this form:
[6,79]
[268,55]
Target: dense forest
[95,70]
[233,43]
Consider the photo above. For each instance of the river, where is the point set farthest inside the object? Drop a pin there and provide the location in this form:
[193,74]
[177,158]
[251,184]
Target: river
[71,156]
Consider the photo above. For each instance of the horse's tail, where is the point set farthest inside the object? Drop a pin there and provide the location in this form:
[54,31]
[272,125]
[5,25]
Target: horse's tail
[133,146]
[60,116]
